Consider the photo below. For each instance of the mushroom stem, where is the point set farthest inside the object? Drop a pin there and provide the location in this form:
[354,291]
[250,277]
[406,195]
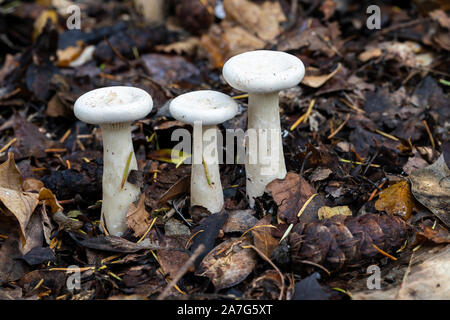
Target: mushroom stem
[117,146]
[152,10]
[264,117]
[206,188]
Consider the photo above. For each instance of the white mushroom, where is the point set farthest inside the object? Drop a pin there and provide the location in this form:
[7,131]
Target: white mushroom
[205,109]
[114,109]
[263,74]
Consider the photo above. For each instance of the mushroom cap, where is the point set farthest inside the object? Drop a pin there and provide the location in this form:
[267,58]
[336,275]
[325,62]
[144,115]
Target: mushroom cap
[208,106]
[263,71]
[115,104]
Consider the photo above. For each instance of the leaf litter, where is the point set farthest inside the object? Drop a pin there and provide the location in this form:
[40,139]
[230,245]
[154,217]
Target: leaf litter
[366,148]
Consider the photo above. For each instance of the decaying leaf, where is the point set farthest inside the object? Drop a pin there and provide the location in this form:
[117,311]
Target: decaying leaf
[266,287]
[138,217]
[328,212]
[318,81]
[428,275]
[172,260]
[48,198]
[397,200]
[262,236]
[290,194]
[228,264]
[18,203]
[434,233]
[261,19]
[431,187]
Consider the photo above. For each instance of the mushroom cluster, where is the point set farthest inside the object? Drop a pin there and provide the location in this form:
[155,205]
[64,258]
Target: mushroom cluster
[261,73]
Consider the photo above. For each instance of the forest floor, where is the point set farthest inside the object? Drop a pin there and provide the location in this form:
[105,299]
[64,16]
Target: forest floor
[365,203]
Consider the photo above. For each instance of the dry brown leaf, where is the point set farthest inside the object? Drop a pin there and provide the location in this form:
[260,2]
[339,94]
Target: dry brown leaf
[229,263]
[261,19]
[428,275]
[397,200]
[370,54]
[172,260]
[328,212]
[318,81]
[431,187]
[188,46]
[138,218]
[226,40]
[262,236]
[19,204]
[32,184]
[290,194]
[47,196]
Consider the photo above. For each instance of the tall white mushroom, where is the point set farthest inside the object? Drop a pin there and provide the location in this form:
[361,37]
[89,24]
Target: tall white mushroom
[114,109]
[263,74]
[205,109]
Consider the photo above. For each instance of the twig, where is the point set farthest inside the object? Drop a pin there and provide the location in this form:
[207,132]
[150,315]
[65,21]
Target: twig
[181,272]
[340,127]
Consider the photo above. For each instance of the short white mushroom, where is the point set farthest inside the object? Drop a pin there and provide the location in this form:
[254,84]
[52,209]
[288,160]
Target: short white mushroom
[263,74]
[114,109]
[205,109]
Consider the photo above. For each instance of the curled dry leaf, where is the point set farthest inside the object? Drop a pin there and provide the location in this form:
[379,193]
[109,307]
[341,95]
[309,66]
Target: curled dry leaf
[138,217]
[397,200]
[18,203]
[431,187]
[228,264]
[48,198]
[318,81]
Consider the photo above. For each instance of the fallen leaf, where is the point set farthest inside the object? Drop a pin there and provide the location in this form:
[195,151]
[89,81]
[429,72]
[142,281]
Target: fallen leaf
[328,212]
[18,203]
[188,46]
[239,221]
[261,19]
[396,200]
[428,275]
[318,81]
[39,255]
[138,218]
[369,54]
[32,184]
[228,264]
[47,196]
[172,260]
[290,194]
[320,174]
[438,234]
[262,236]
[431,187]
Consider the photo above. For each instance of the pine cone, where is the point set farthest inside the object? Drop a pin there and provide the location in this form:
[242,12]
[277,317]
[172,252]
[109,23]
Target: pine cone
[343,241]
